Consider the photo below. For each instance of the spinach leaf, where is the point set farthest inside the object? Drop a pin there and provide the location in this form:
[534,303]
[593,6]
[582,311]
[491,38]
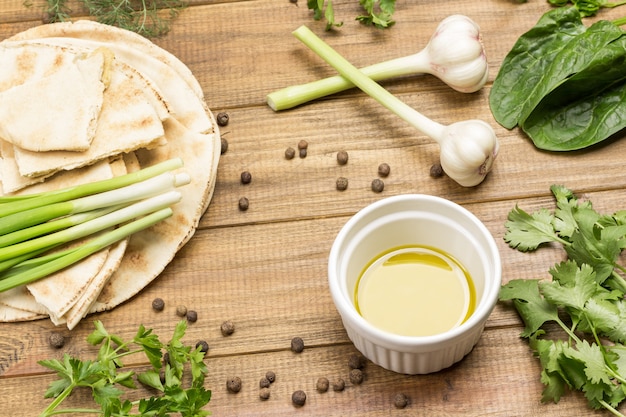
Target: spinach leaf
[523,68]
[585,109]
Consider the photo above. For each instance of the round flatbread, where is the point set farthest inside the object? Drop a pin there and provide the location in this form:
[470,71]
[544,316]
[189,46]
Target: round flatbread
[190,132]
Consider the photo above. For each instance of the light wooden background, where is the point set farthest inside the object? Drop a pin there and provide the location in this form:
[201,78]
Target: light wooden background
[265,269]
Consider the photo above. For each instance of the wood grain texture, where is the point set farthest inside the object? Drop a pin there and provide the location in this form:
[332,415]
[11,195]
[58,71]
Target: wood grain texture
[265,269]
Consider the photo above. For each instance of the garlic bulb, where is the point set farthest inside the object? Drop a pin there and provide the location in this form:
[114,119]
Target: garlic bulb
[468,151]
[456,54]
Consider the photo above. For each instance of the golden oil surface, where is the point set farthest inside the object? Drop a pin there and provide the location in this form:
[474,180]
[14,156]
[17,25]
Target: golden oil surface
[415,291]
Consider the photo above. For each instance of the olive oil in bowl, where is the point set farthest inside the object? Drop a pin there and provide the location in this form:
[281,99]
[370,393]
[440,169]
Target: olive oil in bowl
[415,291]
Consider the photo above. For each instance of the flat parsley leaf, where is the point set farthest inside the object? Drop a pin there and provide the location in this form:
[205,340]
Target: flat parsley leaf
[526,232]
[530,304]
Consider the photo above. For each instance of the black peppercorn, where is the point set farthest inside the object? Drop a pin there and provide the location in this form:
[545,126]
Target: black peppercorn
[56,340]
[384,169]
[339,384]
[181,311]
[356,361]
[243,204]
[203,345]
[302,153]
[298,398]
[322,385]
[246,177]
[342,183]
[290,153]
[297,344]
[356,376]
[158,304]
[378,185]
[224,146]
[264,383]
[192,316]
[222,118]
[227,328]
[271,376]
[436,171]
[342,157]
[264,393]
[233,384]
[400,401]
[303,144]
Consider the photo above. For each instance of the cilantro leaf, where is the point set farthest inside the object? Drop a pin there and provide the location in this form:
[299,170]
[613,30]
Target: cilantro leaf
[525,232]
[529,303]
[571,292]
[381,19]
[324,10]
[608,318]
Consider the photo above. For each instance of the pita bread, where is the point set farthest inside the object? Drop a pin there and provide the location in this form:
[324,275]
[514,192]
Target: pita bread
[190,133]
[55,112]
[134,125]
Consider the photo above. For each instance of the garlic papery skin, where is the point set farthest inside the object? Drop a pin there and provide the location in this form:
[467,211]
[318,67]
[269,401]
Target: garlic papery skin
[468,151]
[468,148]
[454,53]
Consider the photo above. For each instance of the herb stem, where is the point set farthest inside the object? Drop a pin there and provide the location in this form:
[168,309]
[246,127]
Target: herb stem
[610,409]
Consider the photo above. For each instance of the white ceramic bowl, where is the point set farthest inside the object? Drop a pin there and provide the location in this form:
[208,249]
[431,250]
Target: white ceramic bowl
[414,219]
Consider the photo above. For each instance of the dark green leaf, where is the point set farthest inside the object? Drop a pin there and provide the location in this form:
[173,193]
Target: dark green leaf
[523,67]
[531,306]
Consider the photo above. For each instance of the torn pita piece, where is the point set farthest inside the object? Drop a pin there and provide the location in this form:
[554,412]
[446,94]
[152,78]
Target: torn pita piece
[58,111]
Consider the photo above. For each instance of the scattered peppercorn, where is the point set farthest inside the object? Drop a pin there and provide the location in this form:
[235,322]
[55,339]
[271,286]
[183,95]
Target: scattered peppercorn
[271,376]
[166,359]
[162,375]
[356,376]
[290,153]
[264,393]
[246,177]
[227,328]
[436,171]
[293,1]
[192,316]
[298,398]
[384,169]
[342,183]
[322,385]
[302,153]
[303,144]
[158,304]
[264,383]
[243,204]
[342,157]
[233,384]
[297,344]
[224,146]
[400,401]
[222,118]
[378,185]
[56,340]
[203,345]
[181,311]
[339,385]
[356,361]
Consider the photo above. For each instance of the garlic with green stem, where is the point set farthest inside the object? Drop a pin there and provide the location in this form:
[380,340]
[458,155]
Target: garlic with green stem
[468,148]
[455,54]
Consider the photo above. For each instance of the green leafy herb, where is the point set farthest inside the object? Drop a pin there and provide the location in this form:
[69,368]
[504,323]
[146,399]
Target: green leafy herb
[378,12]
[587,7]
[584,298]
[150,18]
[109,382]
[563,83]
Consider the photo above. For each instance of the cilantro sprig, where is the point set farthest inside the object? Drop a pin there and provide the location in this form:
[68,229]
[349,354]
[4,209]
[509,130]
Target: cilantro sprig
[108,381]
[377,12]
[584,298]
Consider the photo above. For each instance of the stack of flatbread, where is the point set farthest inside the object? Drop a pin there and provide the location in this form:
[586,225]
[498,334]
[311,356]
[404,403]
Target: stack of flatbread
[81,102]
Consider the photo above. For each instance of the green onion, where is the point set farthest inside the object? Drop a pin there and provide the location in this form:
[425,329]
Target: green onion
[103,212]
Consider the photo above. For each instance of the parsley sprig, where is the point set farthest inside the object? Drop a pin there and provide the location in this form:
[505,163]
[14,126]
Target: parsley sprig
[585,299]
[108,381]
[377,12]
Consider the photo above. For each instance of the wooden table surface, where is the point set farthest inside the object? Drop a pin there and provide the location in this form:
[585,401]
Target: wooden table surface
[265,269]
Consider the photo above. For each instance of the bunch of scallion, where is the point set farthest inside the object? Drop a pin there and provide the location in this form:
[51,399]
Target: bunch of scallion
[34,228]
